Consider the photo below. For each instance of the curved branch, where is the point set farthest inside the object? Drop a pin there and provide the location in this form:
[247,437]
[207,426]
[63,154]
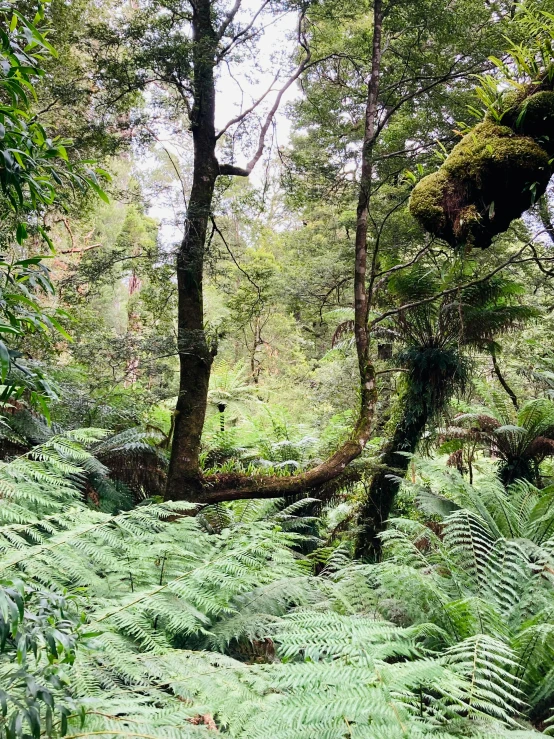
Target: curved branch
[226,487]
[231,169]
[241,116]
[502,380]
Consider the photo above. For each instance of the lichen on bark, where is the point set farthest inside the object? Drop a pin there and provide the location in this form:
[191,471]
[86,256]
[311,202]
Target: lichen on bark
[493,175]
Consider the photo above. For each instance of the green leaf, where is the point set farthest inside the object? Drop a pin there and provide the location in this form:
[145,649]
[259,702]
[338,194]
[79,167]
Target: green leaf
[98,190]
[42,231]
[5,361]
[21,233]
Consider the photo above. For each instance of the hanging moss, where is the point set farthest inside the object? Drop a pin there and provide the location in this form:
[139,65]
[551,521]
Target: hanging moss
[493,175]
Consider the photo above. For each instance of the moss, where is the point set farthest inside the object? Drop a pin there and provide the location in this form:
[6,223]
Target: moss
[469,219]
[534,117]
[492,176]
[426,202]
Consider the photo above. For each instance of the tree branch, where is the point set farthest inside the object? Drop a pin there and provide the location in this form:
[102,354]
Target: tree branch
[404,265]
[240,34]
[245,113]
[231,169]
[450,291]
[228,19]
[502,381]
[225,487]
[237,265]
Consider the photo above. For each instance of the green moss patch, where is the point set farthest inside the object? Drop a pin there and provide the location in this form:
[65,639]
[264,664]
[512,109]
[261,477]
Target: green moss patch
[492,176]
[534,117]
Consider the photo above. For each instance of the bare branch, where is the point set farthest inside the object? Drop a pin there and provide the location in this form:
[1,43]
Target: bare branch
[245,113]
[231,169]
[502,380]
[243,32]
[228,19]
[81,250]
[237,265]
[404,265]
[175,168]
[392,369]
[450,75]
[537,260]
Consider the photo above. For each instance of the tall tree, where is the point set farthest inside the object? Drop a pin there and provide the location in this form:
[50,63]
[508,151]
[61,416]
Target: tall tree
[184,45]
[184,49]
[407,74]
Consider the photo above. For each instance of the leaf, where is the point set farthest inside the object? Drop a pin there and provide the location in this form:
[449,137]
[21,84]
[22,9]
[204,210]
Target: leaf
[42,231]
[21,233]
[5,329]
[98,190]
[5,361]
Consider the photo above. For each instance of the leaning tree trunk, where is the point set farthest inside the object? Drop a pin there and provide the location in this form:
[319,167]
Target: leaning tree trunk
[195,355]
[384,485]
[433,377]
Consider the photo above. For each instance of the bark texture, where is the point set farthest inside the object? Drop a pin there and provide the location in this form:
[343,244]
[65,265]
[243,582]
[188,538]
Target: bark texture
[195,355]
[384,486]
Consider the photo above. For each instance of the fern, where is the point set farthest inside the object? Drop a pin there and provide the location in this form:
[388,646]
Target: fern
[197,626]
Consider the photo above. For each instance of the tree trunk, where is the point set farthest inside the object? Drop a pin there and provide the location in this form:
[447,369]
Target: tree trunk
[384,485]
[362,297]
[221,408]
[195,356]
[502,380]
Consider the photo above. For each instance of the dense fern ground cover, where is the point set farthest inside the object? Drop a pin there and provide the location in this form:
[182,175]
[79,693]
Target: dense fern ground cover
[148,623]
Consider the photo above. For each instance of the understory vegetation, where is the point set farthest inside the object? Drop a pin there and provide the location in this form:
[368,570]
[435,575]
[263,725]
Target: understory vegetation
[276,369]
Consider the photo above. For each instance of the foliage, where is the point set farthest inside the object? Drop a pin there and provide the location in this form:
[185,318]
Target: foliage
[40,631]
[36,169]
[521,440]
[253,618]
[435,338]
[486,572]
[242,591]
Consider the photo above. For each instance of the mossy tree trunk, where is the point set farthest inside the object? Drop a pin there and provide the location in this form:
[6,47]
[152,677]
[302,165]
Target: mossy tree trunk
[195,355]
[434,373]
[384,485]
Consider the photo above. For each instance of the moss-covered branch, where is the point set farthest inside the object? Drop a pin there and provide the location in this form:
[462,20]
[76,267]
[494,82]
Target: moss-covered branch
[493,175]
